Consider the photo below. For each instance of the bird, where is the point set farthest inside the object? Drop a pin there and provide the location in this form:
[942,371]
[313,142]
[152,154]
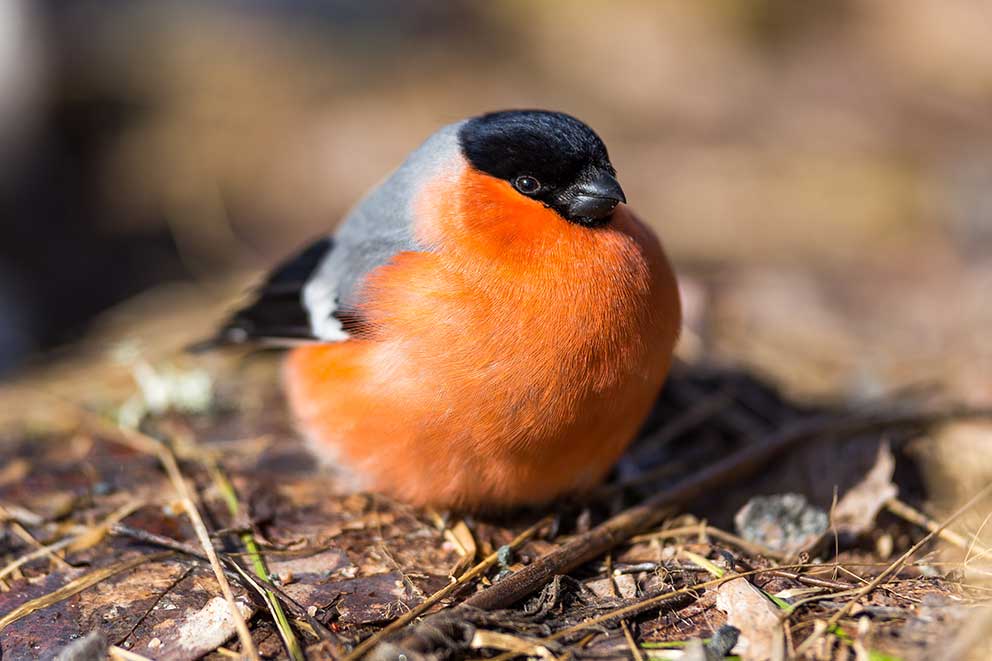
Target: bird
[486,329]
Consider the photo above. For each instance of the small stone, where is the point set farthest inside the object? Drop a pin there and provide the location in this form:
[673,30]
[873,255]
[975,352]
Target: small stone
[784,522]
[504,556]
[102,488]
[723,641]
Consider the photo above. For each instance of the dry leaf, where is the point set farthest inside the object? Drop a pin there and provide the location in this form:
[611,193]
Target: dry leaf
[14,471]
[756,617]
[702,562]
[464,542]
[508,643]
[625,584]
[856,511]
[94,535]
[321,564]
[197,633]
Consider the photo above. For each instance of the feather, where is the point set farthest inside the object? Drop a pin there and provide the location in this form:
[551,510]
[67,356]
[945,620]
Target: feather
[276,312]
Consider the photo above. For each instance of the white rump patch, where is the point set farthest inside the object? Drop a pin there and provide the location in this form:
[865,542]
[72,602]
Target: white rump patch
[319,298]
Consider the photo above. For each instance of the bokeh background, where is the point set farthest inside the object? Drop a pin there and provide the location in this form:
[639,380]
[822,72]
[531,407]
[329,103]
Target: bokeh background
[820,172]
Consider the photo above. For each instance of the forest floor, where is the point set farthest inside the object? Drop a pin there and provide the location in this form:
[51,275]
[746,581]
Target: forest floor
[155,505]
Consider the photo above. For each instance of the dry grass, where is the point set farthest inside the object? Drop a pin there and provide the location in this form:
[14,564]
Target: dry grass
[333,575]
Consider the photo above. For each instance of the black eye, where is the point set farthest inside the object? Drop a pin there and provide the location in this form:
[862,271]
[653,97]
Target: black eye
[527,184]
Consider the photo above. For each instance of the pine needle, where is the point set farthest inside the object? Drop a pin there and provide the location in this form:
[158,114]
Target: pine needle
[419,609]
[890,570]
[289,638]
[76,586]
[80,541]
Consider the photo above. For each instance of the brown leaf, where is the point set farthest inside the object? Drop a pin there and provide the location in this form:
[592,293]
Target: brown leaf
[14,471]
[196,633]
[756,617]
[319,565]
[856,511]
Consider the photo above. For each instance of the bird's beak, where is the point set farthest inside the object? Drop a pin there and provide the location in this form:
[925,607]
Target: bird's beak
[596,197]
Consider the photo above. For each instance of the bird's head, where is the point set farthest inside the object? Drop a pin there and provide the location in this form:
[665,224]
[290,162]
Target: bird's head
[549,157]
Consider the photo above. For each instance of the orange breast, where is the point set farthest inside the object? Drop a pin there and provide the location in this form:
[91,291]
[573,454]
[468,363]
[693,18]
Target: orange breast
[512,363]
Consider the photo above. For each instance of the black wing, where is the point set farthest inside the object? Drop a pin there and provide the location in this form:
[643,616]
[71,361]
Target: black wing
[276,314]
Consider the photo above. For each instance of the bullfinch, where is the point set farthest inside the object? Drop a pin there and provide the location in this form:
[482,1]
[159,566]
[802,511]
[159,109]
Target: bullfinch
[487,328]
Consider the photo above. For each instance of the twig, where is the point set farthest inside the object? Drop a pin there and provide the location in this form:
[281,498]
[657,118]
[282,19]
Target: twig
[628,635]
[654,601]
[289,639]
[737,466]
[813,581]
[34,555]
[147,445]
[75,587]
[707,530]
[461,537]
[49,549]
[695,415]
[203,535]
[24,516]
[920,519]
[635,651]
[120,654]
[799,603]
[568,654]
[29,539]
[974,541]
[257,584]
[892,569]
[582,644]
[417,610]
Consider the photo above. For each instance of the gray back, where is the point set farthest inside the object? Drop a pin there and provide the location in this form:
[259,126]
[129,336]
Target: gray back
[376,229]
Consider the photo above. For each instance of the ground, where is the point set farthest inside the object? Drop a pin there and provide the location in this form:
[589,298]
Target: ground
[110,457]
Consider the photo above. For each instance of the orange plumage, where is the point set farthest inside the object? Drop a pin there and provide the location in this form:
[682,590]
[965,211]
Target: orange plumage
[492,325]
[510,365]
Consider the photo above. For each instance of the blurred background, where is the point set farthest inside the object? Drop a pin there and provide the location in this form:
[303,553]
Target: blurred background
[820,172]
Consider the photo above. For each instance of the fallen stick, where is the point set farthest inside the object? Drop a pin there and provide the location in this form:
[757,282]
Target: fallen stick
[737,466]
[412,614]
[234,568]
